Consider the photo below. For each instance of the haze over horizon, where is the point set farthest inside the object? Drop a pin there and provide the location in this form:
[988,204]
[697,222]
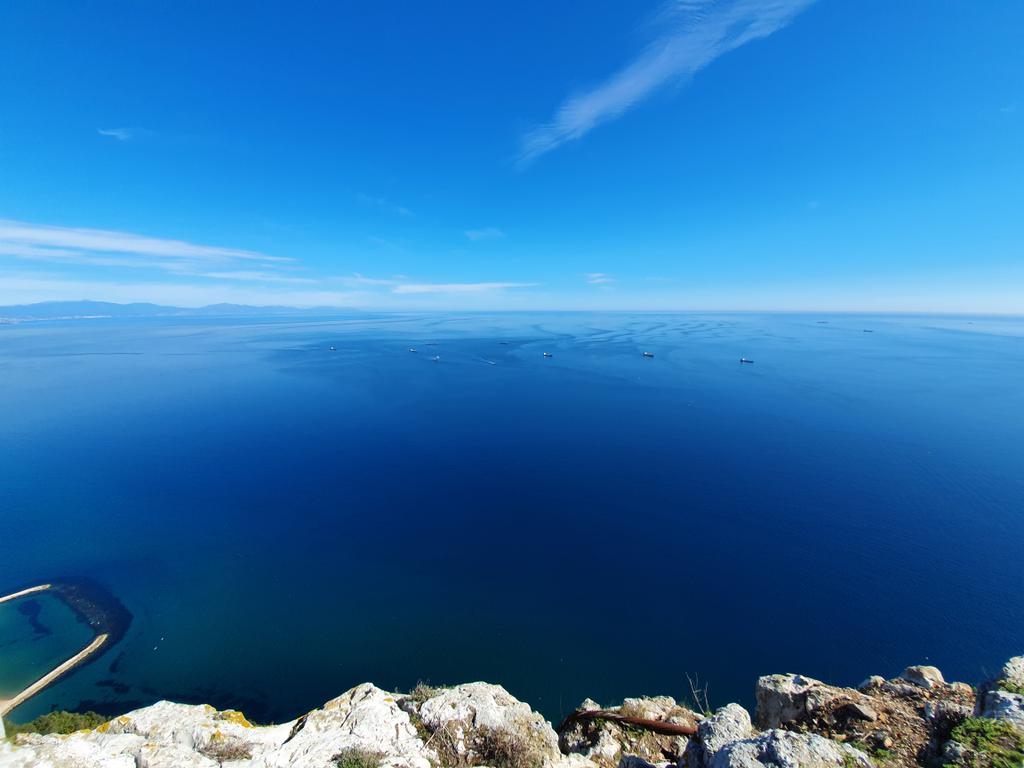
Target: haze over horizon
[697,155]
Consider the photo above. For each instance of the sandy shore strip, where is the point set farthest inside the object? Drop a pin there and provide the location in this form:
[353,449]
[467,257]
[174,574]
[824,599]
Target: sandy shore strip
[22,593]
[53,675]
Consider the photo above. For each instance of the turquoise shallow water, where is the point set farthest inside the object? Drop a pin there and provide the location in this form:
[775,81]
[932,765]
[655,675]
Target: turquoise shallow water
[285,521]
[36,634]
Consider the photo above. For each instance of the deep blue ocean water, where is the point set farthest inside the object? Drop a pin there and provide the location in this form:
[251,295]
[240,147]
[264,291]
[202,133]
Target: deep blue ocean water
[285,521]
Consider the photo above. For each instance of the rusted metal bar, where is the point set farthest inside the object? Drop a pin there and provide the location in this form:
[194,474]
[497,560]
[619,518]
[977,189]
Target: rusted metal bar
[656,726]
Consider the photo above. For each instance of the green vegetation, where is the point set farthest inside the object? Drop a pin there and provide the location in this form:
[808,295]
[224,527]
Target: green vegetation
[423,691]
[353,757]
[879,754]
[997,743]
[1010,687]
[56,722]
[502,749]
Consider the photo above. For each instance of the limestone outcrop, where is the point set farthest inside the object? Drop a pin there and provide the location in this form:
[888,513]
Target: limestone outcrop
[913,719]
[607,742]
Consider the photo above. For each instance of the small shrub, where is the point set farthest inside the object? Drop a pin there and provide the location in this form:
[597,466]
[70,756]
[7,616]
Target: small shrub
[354,757]
[224,749]
[996,741]
[1010,687]
[422,692]
[56,722]
[502,749]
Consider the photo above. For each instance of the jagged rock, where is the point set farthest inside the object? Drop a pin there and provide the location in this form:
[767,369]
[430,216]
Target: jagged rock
[151,756]
[606,742]
[1010,678]
[168,735]
[872,682]
[632,761]
[954,753]
[728,724]
[364,717]
[783,749]
[1012,673]
[923,676]
[782,699]
[857,711]
[943,716]
[909,721]
[1003,705]
[481,721]
[74,751]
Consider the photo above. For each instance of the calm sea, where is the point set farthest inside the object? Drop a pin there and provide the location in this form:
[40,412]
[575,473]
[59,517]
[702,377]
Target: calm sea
[285,521]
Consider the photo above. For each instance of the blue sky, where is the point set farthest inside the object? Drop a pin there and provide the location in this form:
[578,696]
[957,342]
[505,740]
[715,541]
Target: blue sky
[697,154]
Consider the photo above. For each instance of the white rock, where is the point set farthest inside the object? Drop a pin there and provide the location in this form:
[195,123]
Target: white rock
[730,723]
[153,756]
[466,710]
[1012,672]
[77,750]
[365,717]
[782,698]
[634,761]
[871,682]
[1003,705]
[783,749]
[923,676]
[168,735]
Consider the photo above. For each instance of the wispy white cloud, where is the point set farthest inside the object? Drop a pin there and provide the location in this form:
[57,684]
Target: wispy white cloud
[457,287]
[16,233]
[696,32]
[76,247]
[383,242]
[94,263]
[485,233]
[382,202]
[121,134]
[599,278]
[359,279]
[259,277]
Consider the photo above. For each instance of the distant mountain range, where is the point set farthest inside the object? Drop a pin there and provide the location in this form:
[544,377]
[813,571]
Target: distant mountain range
[81,310]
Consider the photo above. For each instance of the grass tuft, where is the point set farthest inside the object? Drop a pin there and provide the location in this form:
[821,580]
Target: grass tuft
[354,757]
[999,743]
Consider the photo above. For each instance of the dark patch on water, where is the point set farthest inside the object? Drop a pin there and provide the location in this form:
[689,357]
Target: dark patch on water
[94,605]
[116,687]
[31,609]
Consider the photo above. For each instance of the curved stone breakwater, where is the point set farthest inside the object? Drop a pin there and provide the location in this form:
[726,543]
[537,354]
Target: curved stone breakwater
[914,719]
[93,605]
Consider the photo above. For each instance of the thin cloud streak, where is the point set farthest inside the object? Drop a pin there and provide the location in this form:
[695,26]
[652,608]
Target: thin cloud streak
[382,202]
[457,287]
[229,270]
[485,233]
[106,241]
[599,278]
[699,32]
[121,134]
